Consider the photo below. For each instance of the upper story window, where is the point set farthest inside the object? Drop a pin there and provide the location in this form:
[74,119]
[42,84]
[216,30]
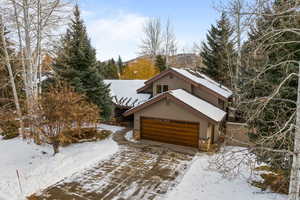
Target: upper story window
[161,88]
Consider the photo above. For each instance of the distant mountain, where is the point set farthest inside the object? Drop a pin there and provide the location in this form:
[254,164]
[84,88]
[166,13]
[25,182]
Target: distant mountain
[183,60]
[186,60]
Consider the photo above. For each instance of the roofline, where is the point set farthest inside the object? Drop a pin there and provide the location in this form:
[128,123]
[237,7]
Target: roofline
[147,83]
[176,100]
[143,105]
[143,88]
[158,76]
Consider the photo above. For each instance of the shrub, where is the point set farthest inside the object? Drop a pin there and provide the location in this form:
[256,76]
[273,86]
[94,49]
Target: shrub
[275,180]
[82,135]
[10,129]
[62,113]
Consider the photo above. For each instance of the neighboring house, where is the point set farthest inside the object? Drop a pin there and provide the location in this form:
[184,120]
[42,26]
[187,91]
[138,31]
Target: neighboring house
[124,95]
[124,92]
[186,108]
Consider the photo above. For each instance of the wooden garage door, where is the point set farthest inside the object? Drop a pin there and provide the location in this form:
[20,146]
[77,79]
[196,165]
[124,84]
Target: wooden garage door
[169,131]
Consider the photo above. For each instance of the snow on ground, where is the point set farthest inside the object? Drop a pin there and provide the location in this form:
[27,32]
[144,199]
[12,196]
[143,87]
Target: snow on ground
[129,137]
[202,182]
[38,170]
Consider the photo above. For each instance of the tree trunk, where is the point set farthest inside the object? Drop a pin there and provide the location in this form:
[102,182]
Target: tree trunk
[11,77]
[24,74]
[239,51]
[55,145]
[295,173]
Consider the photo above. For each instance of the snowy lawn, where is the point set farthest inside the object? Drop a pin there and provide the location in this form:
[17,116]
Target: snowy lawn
[201,182]
[38,168]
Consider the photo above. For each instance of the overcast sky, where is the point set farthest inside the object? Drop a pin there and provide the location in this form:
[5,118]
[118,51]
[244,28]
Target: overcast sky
[115,26]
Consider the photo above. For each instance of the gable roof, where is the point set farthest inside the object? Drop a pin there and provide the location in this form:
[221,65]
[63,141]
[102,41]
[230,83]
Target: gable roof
[182,97]
[195,77]
[124,92]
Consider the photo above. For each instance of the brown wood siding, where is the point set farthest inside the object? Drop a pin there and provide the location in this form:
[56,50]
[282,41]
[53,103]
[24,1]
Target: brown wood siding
[170,131]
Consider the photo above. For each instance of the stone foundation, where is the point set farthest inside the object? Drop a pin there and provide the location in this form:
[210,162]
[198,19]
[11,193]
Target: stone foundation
[136,134]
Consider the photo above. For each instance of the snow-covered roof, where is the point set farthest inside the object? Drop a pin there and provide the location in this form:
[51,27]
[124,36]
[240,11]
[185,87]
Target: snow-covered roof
[205,80]
[198,104]
[194,102]
[124,92]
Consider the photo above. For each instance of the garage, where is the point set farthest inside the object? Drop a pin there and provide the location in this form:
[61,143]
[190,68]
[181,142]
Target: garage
[170,131]
[177,117]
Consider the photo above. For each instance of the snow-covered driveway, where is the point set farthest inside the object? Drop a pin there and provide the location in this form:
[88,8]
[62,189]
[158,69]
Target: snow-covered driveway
[134,172]
[107,170]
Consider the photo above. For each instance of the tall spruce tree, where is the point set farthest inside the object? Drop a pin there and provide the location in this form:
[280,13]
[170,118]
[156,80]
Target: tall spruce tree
[217,52]
[76,63]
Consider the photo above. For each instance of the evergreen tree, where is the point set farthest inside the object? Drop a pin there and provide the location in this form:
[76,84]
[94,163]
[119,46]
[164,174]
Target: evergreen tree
[218,51]
[76,64]
[120,65]
[272,51]
[109,69]
[160,62]
[5,86]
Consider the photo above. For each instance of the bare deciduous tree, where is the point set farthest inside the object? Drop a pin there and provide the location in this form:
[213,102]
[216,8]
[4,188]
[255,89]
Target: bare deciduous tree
[169,41]
[283,134]
[34,25]
[61,109]
[240,13]
[11,76]
[153,38]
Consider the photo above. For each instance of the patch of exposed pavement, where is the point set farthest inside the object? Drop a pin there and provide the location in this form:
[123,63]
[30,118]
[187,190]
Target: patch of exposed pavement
[142,170]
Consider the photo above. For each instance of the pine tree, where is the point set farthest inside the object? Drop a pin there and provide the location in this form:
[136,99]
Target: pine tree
[160,62]
[120,65]
[272,51]
[109,69]
[217,52]
[76,63]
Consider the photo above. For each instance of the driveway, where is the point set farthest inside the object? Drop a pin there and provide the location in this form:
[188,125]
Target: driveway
[137,171]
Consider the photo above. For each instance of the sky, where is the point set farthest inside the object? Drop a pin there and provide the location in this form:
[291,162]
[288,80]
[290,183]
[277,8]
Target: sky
[116,26]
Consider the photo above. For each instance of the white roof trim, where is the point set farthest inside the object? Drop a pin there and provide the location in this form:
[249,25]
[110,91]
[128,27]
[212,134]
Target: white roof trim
[205,81]
[200,105]
[194,102]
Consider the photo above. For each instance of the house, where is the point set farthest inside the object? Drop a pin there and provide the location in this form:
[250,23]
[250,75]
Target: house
[124,92]
[124,96]
[186,108]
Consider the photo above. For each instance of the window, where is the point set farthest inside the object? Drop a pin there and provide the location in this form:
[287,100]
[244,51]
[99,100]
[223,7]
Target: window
[165,88]
[158,89]
[161,88]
